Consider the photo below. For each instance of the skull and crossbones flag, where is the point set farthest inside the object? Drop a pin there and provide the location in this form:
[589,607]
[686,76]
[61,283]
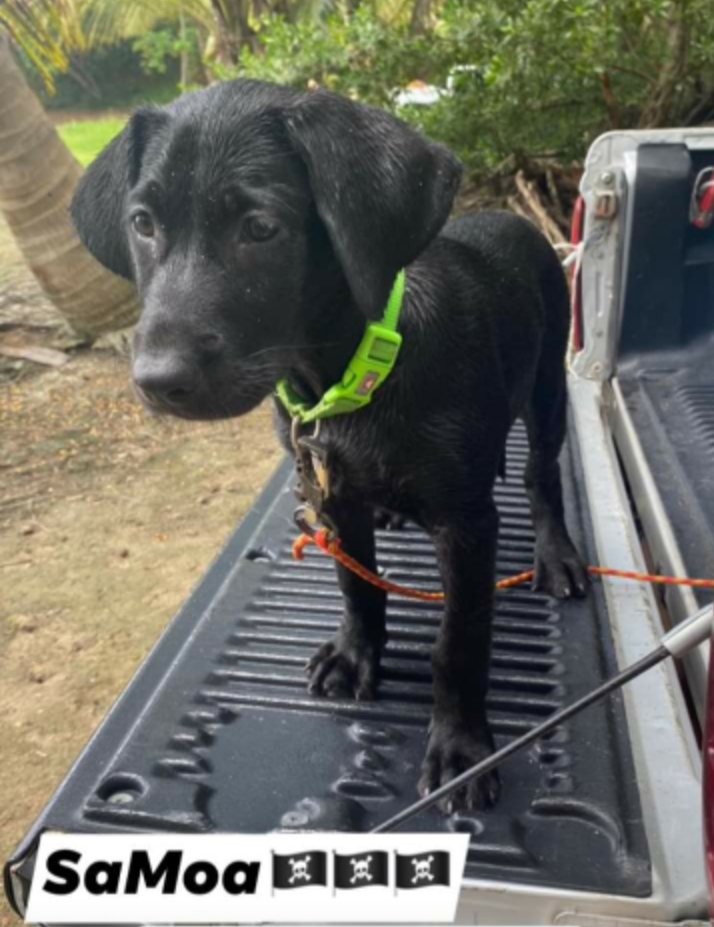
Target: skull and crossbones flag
[300,869]
[362,869]
[423,869]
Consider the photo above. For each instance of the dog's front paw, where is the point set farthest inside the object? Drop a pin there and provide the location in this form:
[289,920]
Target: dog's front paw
[452,749]
[344,668]
[389,521]
[559,571]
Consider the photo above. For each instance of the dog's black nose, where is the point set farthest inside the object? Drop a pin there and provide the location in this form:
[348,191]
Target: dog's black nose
[166,379]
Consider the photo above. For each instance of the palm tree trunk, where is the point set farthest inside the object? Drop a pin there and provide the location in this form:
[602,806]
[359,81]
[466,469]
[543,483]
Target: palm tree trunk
[37,177]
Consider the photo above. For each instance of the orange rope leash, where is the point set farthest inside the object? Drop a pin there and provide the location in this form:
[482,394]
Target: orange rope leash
[331,546]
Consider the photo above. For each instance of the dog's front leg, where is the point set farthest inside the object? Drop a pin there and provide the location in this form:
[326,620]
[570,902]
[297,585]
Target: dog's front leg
[459,734]
[348,665]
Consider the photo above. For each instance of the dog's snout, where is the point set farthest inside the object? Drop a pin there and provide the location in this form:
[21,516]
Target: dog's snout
[167,379]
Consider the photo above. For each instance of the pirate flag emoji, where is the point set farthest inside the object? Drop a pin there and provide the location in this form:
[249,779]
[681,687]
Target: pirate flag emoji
[300,869]
[423,869]
[362,869]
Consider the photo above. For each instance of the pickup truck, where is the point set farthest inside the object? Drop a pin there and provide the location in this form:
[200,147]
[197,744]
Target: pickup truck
[601,821]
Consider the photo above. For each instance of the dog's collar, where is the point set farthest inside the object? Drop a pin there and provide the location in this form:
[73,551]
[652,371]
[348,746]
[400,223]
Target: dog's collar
[370,366]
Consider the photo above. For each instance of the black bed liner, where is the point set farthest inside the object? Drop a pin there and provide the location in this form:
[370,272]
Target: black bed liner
[671,403]
[217,731]
[665,365]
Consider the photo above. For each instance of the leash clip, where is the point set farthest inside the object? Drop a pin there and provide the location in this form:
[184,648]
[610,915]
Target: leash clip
[307,520]
[295,424]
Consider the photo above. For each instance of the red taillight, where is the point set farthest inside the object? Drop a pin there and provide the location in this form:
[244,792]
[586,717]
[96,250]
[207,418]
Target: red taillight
[708,783]
[701,206]
[576,235]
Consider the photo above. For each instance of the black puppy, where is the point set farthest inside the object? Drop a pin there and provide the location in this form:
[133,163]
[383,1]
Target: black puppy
[263,228]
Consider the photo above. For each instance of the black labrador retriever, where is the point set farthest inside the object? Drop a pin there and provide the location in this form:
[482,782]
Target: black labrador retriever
[263,228]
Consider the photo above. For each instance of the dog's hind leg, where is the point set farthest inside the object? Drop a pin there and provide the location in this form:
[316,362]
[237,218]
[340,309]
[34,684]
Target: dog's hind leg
[558,568]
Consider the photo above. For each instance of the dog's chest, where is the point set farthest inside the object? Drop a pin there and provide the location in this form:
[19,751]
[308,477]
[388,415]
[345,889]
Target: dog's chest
[348,462]
[371,472]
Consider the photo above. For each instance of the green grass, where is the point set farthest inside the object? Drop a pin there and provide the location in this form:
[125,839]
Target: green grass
[86,137]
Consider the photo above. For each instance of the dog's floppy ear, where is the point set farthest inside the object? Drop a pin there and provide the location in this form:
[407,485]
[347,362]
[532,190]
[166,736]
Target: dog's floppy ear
[382,190]
[99,202]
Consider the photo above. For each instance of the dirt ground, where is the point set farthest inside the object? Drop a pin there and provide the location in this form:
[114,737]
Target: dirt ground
[107,519]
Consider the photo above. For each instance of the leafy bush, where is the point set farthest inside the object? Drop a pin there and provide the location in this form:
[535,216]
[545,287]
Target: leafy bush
[171,46]
[158,48]
[545,76]
[360,56]
[105,77]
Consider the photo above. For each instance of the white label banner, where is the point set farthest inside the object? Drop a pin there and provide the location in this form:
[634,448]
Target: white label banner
[239,878]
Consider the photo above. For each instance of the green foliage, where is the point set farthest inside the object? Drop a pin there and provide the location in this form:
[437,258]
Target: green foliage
[86,137]
[544,76]
[533,77]
[159,47]
[360,56]
[156,48]
[46,31]
[110,76]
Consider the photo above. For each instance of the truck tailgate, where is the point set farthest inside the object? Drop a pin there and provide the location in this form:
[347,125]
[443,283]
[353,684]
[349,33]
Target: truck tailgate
[217,731]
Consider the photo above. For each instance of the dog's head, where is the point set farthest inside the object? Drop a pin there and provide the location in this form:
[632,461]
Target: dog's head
[236,210]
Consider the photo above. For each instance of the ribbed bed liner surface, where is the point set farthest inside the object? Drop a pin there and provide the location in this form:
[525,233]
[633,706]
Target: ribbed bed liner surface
[671,403]
[217,731]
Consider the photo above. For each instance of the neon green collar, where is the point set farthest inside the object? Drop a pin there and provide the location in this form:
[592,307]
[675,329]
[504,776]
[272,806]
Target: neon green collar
[370,366]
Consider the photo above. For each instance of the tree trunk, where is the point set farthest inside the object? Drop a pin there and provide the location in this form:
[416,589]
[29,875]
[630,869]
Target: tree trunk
[183,79]
[239,19]
[224,45]
[421,17]
[661,107]
[37,177]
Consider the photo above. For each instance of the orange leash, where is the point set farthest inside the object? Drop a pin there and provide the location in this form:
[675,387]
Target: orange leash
[331,546]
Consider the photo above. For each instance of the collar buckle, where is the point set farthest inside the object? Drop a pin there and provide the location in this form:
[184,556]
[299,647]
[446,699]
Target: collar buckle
[369,367]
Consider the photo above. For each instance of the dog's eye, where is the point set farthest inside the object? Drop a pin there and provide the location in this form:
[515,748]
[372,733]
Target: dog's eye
[143,224]
[259,229]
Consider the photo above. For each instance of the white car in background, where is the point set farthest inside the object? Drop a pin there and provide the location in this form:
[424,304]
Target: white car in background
[419,93]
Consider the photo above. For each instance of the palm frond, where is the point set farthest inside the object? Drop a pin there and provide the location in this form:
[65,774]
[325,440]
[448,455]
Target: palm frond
[107,21]
[46,30]
[314,10]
